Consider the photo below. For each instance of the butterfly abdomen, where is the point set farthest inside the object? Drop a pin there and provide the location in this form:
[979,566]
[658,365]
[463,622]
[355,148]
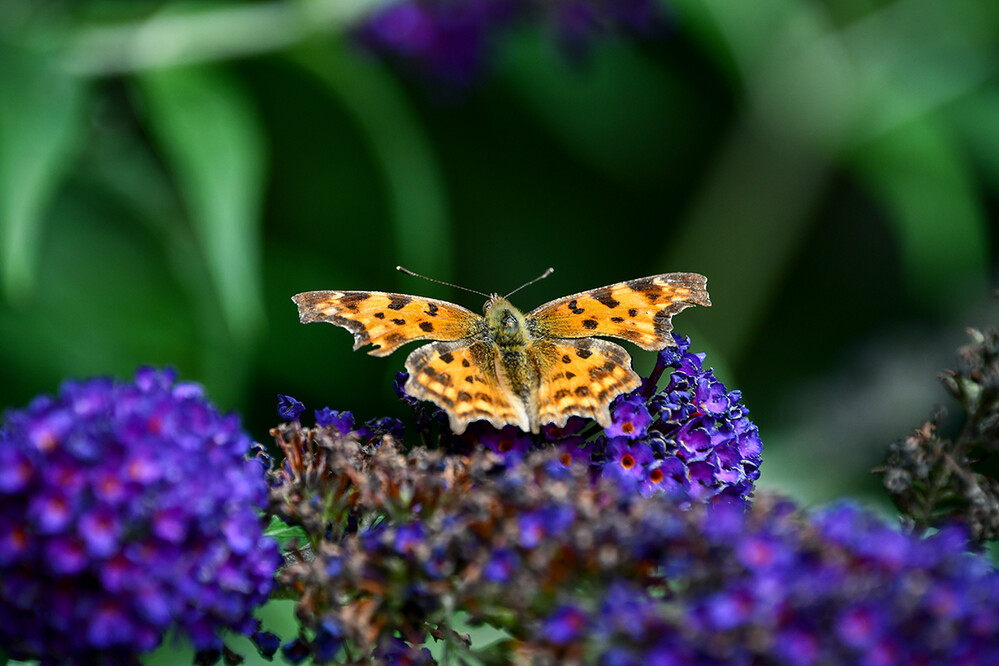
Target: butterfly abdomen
[519,374]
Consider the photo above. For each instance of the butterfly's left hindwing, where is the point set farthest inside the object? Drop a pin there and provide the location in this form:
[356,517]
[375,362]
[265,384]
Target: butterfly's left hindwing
[640,310]
[388,320]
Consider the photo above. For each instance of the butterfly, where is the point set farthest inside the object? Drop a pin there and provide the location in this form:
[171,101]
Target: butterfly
[506,367]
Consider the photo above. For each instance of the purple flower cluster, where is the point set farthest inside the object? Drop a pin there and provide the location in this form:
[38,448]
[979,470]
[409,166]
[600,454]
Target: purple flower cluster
[446,40]
[584,572]
[711,448]
[450,41]
[840,587]
[126,510]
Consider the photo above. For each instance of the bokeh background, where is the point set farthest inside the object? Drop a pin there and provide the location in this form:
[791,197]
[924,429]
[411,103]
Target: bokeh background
[172,173]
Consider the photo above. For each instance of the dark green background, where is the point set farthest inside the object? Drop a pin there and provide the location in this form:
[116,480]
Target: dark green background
[832,168]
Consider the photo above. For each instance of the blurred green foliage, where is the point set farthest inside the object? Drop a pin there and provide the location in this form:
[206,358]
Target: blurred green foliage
[172,173]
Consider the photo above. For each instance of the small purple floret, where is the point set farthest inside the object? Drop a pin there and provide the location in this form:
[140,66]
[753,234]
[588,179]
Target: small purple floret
[289,408]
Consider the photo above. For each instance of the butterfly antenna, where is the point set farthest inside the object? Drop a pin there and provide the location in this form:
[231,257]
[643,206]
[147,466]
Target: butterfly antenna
[409,272]
[548,272]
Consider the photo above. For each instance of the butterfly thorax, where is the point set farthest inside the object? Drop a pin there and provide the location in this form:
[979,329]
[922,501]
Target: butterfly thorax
[506,323]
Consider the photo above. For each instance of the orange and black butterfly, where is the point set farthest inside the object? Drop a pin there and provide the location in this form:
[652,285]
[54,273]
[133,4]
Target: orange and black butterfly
[507,367]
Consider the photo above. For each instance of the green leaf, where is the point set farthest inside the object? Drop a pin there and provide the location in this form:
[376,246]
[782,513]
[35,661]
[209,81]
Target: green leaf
[41,120]
[213,143]
[284,533]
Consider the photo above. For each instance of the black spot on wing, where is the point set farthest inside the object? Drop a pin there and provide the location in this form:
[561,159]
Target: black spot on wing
[604,296]
[641,285]
[465,363]
[584,353]
[431,310]
[426,326]
[633,312]
[566,359]
[398,301]
[575,307]
[447,357]
[379,315]
[350,299]
[647,287]
[589,324]
[398,321]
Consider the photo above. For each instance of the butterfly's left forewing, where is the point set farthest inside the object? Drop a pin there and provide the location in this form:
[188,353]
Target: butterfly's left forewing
[388,320]
[640,310]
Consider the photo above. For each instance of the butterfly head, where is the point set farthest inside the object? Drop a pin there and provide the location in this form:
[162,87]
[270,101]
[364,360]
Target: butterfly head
[505,321]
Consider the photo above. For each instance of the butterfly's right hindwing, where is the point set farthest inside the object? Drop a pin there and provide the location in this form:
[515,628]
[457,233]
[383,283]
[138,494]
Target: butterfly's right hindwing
[581,378]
